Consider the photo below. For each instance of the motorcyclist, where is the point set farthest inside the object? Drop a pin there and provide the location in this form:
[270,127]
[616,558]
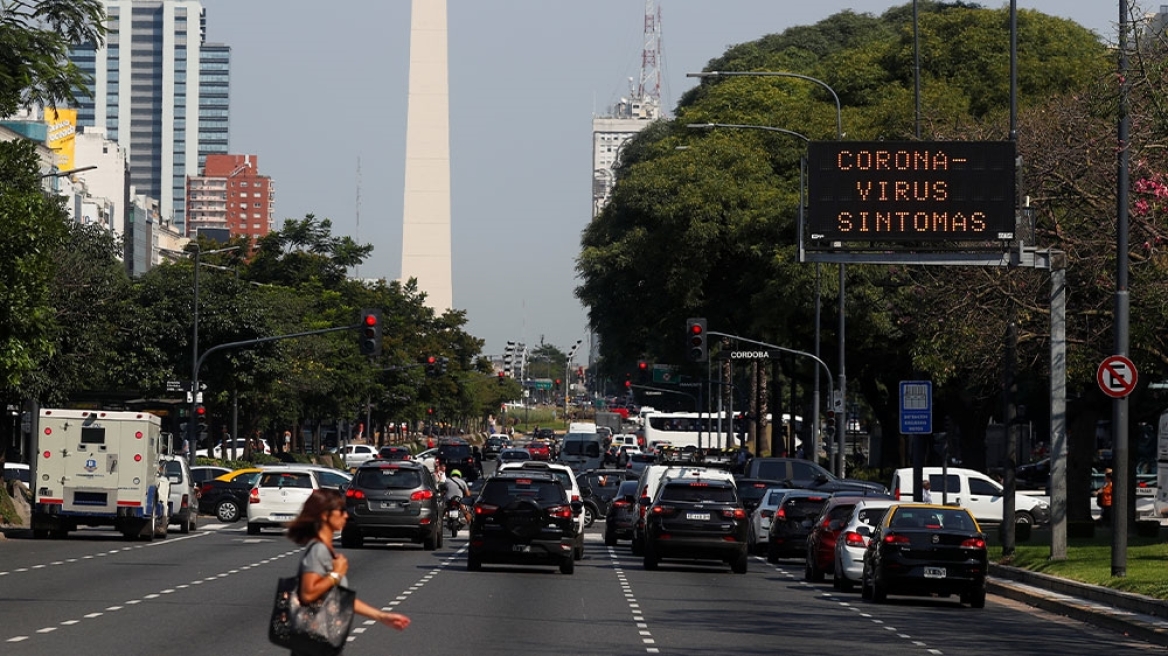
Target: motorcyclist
[454,490]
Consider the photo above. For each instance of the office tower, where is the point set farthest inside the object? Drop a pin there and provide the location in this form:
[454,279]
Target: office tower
[231,197]
[426,215]
[147,94]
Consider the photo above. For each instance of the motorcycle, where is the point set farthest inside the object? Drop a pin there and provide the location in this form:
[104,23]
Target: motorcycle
[455,516]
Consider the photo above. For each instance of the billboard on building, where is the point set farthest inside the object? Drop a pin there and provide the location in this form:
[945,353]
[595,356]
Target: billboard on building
[62,135]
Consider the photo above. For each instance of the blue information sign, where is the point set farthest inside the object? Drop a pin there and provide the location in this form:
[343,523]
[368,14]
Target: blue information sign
[916,407]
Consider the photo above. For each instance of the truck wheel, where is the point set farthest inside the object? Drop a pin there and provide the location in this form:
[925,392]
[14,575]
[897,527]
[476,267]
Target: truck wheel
[739,564]
[1023,517]
[253,529]
[184,526]
[567,565]
[40,533]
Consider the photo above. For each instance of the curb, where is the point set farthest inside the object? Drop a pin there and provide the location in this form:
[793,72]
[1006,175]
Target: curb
[1137,616]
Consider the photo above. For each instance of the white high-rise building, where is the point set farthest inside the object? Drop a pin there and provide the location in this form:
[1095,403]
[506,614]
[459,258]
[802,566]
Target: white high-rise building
[609,135]
[147,94]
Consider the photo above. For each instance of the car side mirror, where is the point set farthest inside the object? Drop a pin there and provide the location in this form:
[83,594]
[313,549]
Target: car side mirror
[577,507]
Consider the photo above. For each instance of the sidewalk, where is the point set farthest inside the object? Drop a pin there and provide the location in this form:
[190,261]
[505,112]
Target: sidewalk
[1137,616]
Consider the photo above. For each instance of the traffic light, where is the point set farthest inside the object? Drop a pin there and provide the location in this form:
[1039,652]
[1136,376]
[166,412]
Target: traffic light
[201,422]
[370,337]
[695,332]
[829,424]
[443,362]
[558,383]
[431,365]
[628,381]
[643,370]
[502,377]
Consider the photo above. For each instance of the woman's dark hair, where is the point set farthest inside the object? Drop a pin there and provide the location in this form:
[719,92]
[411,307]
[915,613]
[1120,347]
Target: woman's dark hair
[307,524]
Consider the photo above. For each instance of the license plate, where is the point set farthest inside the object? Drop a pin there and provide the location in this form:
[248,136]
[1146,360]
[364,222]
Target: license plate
[389,505]
[522,548]
[452,513]
[283,517]
[934,572]
[702,517]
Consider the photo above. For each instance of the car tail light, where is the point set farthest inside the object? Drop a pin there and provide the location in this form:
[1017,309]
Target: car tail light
[826,523]
[357,495]
[205,488]
[974,543]
[621,504]
[575,497]
[735,513]
[485,509]
[781,514]
[893,538]
[186,503]
[562,512]
[663,511]
[766,514]
[254,495]
[422,495]
[854,539]
[896,494]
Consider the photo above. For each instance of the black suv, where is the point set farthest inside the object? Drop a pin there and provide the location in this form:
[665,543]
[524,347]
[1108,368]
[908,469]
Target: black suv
[393,499]
[523,517]
[456,454]
[494,445]
[696,518]
[794,472]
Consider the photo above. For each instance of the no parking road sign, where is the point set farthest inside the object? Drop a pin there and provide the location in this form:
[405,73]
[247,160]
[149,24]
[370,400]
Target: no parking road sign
[1117,376]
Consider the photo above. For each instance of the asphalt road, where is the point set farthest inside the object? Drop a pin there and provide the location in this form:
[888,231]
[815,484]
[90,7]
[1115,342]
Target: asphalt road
[210,592]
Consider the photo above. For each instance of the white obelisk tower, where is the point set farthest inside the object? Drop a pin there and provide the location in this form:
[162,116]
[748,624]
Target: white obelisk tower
[426,219]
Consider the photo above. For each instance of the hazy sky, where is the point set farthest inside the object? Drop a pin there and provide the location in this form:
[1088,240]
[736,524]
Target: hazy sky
[317,84]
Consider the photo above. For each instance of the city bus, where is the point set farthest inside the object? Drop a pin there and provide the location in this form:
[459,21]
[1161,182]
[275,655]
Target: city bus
[703,430]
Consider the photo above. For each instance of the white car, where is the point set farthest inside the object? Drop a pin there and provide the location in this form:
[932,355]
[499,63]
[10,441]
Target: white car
[328,477]
[184,500]
[852,541]
[428,458]
[219,453]
[760,518]
[278,496]
[15,471]
[356,454]
[568,479]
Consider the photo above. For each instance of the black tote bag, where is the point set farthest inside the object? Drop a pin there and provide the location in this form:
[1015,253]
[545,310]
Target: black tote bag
[316,629]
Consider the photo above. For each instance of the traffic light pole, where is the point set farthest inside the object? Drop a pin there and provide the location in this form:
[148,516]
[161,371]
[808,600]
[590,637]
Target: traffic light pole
[191,429]
[830,381]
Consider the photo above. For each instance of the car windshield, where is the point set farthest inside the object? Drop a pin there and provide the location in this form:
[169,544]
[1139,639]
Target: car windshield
[515,455]
[871,516]
[752,491]
[454,451]
[286,479]
[586,448]
[694,492]
[500,492]
[803,507]
[174,468]
[388,478]
[931,518]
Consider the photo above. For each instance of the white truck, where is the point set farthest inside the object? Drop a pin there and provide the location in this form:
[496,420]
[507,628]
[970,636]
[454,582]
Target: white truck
[99,468]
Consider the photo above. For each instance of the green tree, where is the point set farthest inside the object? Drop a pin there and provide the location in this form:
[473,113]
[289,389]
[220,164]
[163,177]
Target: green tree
[35,39]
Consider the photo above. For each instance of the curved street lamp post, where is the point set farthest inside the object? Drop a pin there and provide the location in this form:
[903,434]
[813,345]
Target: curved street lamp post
[837,403]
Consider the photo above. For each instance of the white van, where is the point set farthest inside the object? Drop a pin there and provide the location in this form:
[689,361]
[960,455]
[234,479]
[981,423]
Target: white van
[582,447]
[973,490]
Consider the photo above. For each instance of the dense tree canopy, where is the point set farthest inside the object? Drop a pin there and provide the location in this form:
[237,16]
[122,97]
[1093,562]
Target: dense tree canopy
[710,229]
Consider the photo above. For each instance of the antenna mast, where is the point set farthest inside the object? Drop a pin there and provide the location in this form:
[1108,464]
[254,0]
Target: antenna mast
[649,87]
[357,236]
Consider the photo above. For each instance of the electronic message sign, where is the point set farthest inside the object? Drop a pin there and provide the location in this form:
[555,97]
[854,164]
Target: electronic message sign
[895,191]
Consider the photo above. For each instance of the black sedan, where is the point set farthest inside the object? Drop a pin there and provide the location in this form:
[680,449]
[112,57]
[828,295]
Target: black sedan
[622,514]
[926,549]
[227,497]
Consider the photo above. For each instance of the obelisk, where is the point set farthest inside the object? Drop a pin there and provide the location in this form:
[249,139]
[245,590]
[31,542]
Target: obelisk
[426,216]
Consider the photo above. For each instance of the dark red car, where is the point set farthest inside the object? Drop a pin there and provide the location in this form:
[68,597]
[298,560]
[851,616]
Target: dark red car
[539,450]
[824,531]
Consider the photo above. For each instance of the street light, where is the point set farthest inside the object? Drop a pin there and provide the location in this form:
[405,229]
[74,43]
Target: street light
[567,368]
[814,450]
[838,404]
[197,253]
[61,174]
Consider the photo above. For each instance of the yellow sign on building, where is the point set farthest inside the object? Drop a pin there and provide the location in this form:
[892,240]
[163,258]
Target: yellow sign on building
[62,135]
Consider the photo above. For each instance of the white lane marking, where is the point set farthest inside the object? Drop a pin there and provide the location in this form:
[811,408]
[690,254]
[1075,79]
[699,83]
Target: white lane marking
[131,602]
[405,594]
[638,614]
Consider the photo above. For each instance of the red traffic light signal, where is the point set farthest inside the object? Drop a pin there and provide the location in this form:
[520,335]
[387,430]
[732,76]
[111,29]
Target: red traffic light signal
[696,340]
[642,366]
[559,382]
[370,332]
[829,423]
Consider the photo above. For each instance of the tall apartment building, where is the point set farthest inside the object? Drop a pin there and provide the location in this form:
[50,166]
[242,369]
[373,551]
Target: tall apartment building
[231,195]
[150,92]
[609,135]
